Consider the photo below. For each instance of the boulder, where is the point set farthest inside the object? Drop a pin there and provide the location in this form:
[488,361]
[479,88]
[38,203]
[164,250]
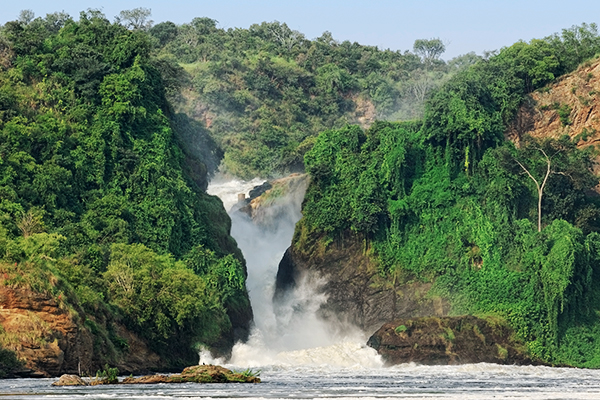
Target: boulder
[70,380]
[449,341]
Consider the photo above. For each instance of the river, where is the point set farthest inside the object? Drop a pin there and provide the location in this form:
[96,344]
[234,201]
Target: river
[300,357]
[465,382]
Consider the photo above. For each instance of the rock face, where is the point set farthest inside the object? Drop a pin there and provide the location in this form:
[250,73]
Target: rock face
[42,333]
[52,339]
[356,293]
[448,340]
[570,106]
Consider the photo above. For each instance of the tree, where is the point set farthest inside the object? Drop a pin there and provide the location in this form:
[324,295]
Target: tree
[26,16]
[136,19]
[557,158]
[540,188]
[429,50]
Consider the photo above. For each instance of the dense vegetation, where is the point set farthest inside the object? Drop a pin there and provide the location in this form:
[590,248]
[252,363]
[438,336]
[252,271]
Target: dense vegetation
[264,93]
[100,204]
[448,200]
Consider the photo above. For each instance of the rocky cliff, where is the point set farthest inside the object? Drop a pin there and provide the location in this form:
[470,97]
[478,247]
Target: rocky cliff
[51,338]
[570,106]
[356,292]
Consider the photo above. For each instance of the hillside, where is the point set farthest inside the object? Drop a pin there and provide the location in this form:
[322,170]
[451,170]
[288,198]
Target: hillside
[103,214]
[260,96]
[570,106]
[446,217]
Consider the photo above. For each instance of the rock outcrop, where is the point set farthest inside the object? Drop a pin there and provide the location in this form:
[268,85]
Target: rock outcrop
[198,374]
[51,338]
[274,200]
[356,293]
[448,340]
[70,380]
[570,106]
[46,336]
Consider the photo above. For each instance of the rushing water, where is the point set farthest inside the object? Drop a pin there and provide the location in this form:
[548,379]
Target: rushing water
[300,357]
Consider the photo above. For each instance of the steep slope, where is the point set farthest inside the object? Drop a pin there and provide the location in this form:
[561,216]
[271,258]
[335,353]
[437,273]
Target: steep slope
[438,217]
[570,106]
[98,192]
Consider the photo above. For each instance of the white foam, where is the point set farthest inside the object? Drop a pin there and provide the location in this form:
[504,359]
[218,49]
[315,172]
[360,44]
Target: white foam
[228,190]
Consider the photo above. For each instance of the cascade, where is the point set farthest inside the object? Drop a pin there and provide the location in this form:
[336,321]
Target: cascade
[289,332]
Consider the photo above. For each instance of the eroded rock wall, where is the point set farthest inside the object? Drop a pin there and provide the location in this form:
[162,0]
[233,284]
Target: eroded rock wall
[356,292]
[51,338]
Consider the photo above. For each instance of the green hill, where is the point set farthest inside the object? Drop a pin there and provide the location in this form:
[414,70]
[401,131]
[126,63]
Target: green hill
[97,190]
[448,201]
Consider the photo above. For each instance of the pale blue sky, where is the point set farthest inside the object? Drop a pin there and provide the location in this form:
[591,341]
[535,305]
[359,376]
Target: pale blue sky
[465,25]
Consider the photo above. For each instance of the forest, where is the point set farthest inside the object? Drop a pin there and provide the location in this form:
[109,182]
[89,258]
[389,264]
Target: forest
[500,230]
[101,206]
[110,132]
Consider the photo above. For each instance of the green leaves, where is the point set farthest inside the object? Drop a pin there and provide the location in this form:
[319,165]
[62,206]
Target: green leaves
[161,296]
[86,141]
[432,217]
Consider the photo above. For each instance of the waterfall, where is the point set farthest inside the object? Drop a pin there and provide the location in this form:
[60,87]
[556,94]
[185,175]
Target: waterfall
[290,332]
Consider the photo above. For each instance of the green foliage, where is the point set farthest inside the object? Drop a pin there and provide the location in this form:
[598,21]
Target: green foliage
[108,375]
[99,199]
[264,93]
[564,112]
[467,225]
[248,373]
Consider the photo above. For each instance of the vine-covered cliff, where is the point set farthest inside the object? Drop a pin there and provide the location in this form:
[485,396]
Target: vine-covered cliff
[445,216]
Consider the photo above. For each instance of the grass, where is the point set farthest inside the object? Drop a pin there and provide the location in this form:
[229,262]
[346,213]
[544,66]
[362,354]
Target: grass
[27,330]
[248,373]
[400,329]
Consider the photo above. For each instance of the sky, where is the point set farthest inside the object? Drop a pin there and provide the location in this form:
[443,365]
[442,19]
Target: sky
[463,25]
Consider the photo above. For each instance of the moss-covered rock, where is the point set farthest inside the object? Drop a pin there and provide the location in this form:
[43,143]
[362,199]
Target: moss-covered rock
[197,374]
[449,340]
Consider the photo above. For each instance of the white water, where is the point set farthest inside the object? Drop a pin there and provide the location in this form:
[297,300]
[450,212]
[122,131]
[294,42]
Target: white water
[465,382]
[287,334]
[302,357]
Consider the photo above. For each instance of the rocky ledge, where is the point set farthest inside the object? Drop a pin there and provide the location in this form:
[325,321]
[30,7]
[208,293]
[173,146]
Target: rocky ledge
[197,373]
[449,341]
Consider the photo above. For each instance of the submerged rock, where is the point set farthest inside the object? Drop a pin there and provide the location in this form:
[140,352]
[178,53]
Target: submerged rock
[448,341]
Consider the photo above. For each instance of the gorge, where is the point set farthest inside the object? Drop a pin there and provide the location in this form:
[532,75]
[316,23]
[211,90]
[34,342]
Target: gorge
[459,225]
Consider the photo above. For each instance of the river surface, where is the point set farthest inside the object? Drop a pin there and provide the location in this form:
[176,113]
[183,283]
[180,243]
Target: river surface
[476,381]
[299,356]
